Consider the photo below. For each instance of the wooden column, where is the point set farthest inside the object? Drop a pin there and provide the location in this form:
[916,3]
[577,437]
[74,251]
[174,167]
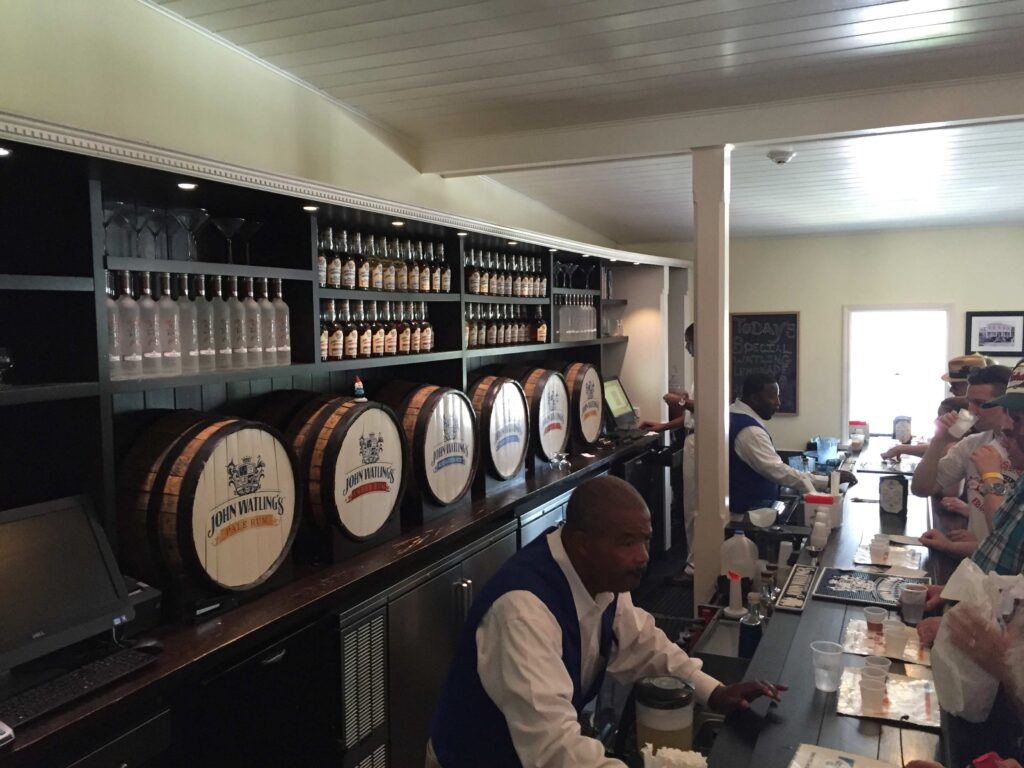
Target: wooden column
[711,312]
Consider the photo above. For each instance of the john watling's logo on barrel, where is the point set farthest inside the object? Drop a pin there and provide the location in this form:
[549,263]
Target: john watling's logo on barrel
[249,509]
[553,419]
[453,450]
[372,476]
[508,434]
[591,407]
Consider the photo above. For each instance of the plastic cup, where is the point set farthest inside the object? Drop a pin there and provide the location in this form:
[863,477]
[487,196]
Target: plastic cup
[828,665]
[878,550]
[912,600]
[874,616]
[877,661]
[872,694]
[895,638]
[876,673]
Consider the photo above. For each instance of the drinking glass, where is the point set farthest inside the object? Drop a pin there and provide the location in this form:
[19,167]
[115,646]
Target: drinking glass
[912,600]
[138,218]
[6,363]
[828,665]
[247,230]
[115,214]
[191,220]
[229,228]
[570,270]
[587,272]
[157,226]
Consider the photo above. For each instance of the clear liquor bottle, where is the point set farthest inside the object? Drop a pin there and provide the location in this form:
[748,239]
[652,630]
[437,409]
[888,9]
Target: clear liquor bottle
[362,263]
[223,331]
[364,331]
[426,330]
[268,319]
[401,266]
[131,330]
[114,361]
[169,322]
[446,270]
[325,329]
[387,258]
[253,327]
[416,335]
[414,267]
[376,331]
[348,262]
[189,320]
[239,332]
[376,265]
[149,323]
[425,267]
[403,328]
[390,330]
[205,327]
[349,332]
[436,269]
[283,325]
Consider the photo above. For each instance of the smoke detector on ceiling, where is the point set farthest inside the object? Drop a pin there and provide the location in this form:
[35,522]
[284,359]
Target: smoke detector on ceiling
[781,156]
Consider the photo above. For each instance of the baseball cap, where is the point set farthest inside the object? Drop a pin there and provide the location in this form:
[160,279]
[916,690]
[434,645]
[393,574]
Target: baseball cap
[1013,398]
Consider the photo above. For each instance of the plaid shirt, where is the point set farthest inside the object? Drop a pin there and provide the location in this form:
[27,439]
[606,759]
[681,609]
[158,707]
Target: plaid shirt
[1003,550]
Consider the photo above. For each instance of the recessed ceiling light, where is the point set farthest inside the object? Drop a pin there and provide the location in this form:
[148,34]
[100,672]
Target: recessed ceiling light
[311,208]
[397,223]
[781,156]
[513,242]
[611,259]
[461,234]
[188,186]
[636,263]
[553,250]
[4,152]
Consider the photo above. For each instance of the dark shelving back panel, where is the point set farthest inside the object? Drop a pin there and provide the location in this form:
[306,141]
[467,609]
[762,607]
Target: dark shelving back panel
[51,336]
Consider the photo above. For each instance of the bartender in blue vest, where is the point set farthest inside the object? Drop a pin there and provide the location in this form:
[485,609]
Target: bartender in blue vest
[755,470]
[545,630]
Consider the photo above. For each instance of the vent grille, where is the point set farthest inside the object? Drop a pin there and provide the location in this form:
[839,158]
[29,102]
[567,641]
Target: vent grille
[377,759]
[363,682]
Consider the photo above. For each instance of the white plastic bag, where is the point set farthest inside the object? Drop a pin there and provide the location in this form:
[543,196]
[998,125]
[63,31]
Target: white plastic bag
[964,688]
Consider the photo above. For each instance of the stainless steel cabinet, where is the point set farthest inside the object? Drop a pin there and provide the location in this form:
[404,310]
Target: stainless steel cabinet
[532,524]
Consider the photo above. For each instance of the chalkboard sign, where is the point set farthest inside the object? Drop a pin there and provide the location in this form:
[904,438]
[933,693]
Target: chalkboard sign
[767,343]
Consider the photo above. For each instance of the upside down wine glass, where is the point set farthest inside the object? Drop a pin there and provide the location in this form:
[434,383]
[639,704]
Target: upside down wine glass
[191,220]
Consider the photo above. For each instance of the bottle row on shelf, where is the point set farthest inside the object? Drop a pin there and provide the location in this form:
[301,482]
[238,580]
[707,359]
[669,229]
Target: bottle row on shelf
[370,263]
[496,325]
[502,274]
[350,331]
[190,332]
[575,318]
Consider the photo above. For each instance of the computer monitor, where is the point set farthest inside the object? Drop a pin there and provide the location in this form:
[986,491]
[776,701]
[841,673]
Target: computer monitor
[59,582]
[620,409]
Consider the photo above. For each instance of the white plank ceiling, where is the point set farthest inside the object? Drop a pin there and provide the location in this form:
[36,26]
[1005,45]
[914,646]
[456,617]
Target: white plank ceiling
[440,69]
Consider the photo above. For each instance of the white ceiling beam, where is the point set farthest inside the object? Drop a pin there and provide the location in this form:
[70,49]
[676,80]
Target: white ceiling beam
[824,117]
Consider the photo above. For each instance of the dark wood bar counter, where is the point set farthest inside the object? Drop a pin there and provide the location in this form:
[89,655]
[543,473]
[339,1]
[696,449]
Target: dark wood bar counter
[768,736]
[191,653]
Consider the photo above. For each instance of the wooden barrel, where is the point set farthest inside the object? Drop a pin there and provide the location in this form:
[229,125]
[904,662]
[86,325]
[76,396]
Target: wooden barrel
[440,426]
[352,456]
[549,408]
[586,398]
[208,500]
[504,418]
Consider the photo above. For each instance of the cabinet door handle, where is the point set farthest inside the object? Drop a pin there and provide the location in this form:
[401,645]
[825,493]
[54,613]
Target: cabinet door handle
[469,598]
[274,657]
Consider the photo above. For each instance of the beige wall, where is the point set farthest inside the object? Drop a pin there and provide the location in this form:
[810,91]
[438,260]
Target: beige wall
[123,69]
[976,268]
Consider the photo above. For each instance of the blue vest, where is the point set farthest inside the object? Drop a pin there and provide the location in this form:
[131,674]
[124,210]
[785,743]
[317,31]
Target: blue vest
[747,489]
[469,730]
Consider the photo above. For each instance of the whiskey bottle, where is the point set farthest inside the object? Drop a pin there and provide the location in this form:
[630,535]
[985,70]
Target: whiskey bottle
[223,331]
[436,269]
[268,319]
[335,265]
[205,327]
[376,332]
[500,276]
[541,328]
[414,268]
[239,333]
[502,323]
[348,264]
[517,277]
[363,332]
[465,326]
[349,331]
[113,329]
[149,323]
[416,332]
[426,330]
[403,328]
[387,259]
[473,273]
[485,274]
[189,324]
[283,325]
[376,265]
[541,282]
[401,266]
[390,330]
[362,263]
[322,257]
[335,330]
[253,327]
[425,268]
[528,284]
[446,270]
[131,331]
[325,329]
[492,327]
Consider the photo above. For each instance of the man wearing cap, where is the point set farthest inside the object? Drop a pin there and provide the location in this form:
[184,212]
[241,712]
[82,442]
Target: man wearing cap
[959,369]
[980,459]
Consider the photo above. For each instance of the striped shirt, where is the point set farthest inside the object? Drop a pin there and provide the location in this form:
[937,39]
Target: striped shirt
[1003,550]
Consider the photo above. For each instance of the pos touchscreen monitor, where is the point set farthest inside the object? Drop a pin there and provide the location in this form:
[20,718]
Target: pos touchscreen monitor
[59,582]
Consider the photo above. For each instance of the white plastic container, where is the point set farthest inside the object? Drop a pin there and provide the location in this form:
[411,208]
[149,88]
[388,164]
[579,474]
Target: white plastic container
[664,713]
[739,554]
[819,502]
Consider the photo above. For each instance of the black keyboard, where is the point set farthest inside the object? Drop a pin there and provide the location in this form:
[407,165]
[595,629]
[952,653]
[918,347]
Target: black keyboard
[630,434]
[36,702]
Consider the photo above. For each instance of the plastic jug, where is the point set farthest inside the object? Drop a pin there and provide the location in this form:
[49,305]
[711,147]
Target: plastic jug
[664,713]
[828,448]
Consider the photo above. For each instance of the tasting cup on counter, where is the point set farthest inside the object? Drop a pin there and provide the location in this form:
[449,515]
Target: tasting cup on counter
[912,600]
[877,662]
[896,635]
[874,616]
[872,694]
[828,665]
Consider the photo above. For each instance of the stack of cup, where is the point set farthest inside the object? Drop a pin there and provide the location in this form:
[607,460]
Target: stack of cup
[874,616]
[876,666]
[872,694]
[912,600]
[896,635]
[879,549]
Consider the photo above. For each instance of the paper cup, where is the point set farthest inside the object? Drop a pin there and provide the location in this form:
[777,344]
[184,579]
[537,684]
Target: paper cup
[912,600]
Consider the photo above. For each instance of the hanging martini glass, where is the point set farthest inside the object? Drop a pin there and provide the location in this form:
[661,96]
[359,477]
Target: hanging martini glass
[229,228]
[191,220]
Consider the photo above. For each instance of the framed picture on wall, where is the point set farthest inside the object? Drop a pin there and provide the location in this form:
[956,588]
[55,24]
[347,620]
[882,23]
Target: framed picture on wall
[996,334]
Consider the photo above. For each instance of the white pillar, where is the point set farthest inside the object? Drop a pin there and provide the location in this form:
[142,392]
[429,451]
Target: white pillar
[711,363]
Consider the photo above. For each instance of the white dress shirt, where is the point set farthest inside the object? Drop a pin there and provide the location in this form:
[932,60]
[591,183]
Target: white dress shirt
[755,447]
[519,660]
[956,466]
